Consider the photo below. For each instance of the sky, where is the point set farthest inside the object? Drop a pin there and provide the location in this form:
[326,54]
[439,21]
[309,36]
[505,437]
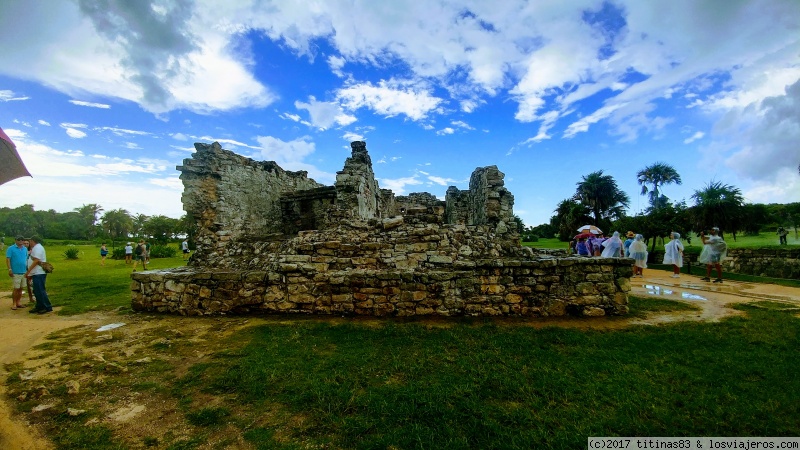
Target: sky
[104,98]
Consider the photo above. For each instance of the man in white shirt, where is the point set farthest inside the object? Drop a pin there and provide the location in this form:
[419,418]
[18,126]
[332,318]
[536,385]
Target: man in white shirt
[38,277]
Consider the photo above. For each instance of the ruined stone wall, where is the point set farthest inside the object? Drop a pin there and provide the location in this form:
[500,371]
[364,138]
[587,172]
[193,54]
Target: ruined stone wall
[230,196]
[274,241]
[358,196]
[775,263]
[298,284]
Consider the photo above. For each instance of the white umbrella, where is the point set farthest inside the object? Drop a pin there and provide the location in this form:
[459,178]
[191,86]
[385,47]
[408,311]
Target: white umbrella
[11,165]
[590,229]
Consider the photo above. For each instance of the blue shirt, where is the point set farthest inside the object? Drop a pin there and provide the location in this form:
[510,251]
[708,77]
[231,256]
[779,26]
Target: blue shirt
[19,259]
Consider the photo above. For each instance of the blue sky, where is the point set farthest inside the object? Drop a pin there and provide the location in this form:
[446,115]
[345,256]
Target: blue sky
[105,98]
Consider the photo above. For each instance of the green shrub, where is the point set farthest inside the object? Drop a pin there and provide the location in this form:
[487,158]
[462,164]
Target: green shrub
[71,253]
[118,253]
[530,238]
[162,251]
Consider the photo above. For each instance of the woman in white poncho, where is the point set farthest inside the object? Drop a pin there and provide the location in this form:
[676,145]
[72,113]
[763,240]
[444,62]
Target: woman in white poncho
[714,251]
[612,246]
[638,252]
[673,254]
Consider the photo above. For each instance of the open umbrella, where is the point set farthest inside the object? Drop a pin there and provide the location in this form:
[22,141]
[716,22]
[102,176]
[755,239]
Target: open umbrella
[583,235]
[11,165]
[590,229]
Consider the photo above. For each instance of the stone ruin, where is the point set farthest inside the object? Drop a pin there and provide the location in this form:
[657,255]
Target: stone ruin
[270,240]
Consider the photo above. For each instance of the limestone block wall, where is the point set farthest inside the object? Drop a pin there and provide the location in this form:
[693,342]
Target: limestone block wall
[358,195]
[533,288]
[229,195]
[776,263]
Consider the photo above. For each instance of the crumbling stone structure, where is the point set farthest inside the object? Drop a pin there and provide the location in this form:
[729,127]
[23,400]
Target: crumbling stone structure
[275,241]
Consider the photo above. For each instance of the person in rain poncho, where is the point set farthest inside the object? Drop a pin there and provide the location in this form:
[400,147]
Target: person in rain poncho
[673,254]
[612,246]
[638,252]
[714,251]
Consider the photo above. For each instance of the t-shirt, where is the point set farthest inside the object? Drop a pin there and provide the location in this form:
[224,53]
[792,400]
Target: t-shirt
[185,245]
[19,259]
[37,252]
[128,249]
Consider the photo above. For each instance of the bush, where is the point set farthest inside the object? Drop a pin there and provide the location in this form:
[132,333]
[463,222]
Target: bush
[118,253]
[162,251]
[530,238]
[71,253]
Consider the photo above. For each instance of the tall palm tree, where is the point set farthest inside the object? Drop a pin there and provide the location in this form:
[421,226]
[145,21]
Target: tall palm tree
[570,214]
[657,175]
[117,223]
[600,193]
[718,205]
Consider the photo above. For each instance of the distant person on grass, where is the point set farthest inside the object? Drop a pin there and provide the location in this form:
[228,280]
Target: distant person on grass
[185,248]
[714,251]
[129,253]
[17,263]
[782,233]
[140,254]
[38,277]
[103,254]
[673,254]
[28,246]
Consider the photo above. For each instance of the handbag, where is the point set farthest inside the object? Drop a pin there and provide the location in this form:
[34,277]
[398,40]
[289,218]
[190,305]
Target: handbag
[46,266]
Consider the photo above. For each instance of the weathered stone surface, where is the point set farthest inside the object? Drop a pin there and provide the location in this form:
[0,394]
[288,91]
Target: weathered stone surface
[274,241]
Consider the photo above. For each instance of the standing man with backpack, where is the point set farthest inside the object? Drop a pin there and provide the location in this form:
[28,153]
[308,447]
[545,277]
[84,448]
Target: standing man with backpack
[140,254]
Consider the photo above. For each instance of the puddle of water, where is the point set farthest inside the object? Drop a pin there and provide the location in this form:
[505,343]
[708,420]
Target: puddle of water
[658,290]
[110,326]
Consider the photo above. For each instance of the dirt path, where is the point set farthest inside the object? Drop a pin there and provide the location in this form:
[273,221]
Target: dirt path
[19,331]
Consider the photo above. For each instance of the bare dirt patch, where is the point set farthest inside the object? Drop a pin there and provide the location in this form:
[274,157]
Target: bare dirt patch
[42,361]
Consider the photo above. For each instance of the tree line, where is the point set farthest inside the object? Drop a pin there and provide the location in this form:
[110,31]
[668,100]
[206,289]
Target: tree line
[91,222]
[599,201]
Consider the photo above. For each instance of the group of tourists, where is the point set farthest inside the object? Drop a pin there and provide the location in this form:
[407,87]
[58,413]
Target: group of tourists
[25,260]
[634,246]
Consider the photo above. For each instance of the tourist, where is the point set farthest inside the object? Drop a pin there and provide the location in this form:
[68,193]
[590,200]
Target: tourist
[714,251]
[103,254]
[147,251]
[627,244]
[140,254]
[17,263]
[38,276]
[27,245]
[582,247]
[638,251]
[612,246]
[673,254]
[128,253]
[782,233]
[597,244]
[185,248]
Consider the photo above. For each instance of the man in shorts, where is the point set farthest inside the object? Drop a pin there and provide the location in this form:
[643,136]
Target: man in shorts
[17,263]
[185,248]
[140,254]
[714,251]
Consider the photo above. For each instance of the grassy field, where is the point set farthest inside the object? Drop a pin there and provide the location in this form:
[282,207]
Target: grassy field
[298,383]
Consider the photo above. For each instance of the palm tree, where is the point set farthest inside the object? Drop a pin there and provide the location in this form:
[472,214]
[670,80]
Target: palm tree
[117,223]
[657,175]
[570,214]
[600,193]
[718,205]
[89,214]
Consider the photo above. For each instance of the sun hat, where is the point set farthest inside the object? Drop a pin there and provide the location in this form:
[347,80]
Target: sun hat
[19,238]
[630,234]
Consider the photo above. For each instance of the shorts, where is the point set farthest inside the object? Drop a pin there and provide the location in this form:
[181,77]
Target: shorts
[186,251]
[140,258]
[19,281]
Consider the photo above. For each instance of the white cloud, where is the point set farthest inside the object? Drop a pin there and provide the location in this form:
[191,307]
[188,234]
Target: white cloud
[73,130]
[10,96]
[179,137]
[445,131]
[336,63]
[325,114]
[44,123]
[694,137]
[398,185]
[123,131]
[462,124]
[390,98]
[350,137]
[442,181]
[90,104]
